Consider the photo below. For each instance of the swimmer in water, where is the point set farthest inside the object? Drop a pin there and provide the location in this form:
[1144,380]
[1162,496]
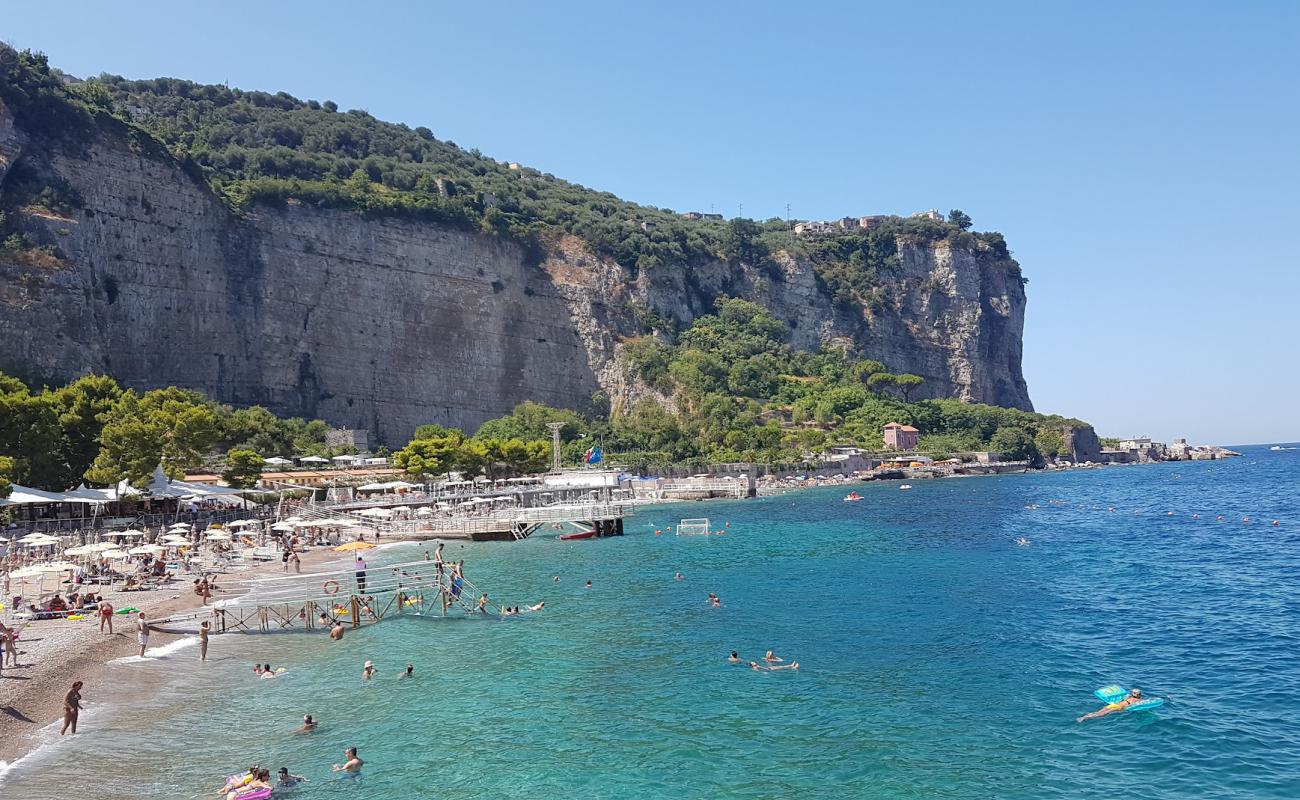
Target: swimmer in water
[772,658]
[308,724]
[1022,541]
[756,666]
[352,765]
[368,671]
[336,633]
[1134,697]
[734,658]
[557,578]
[410,672]
[678,576]
[267,672]
[287,781]
[537,606]
[588,584]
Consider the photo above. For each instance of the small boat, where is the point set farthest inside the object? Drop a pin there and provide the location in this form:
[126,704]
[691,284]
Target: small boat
[905,486]
[591,534]
[852,497]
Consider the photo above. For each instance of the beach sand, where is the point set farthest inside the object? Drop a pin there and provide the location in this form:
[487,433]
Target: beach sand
[54,653]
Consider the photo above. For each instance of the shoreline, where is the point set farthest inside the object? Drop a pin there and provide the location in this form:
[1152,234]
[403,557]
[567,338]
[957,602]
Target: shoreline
[31,695]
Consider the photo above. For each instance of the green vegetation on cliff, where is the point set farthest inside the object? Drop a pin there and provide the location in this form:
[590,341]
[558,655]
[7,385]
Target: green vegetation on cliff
[258,147]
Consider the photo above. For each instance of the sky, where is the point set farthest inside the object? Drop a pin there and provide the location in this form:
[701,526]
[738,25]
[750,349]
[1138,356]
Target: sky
[1141,158]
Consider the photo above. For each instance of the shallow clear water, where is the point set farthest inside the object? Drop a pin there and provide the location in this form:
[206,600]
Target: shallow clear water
[939,659]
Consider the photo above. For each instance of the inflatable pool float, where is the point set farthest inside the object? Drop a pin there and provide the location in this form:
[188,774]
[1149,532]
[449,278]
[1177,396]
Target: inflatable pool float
[1110,695]
[260,793]
[127,611]
[237,780]
[75,617]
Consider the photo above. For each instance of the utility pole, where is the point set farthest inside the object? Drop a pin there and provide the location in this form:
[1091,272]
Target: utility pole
[742,211]
[555,443]
[787,215]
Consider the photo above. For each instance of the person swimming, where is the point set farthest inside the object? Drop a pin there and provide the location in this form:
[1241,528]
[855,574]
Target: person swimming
[757,666]
[352,765]
[1022,541]
[287,781]
[734,658]
[267,672]
[410,672]
[677,577]
[1134,697]
[308,724]
[336,633]
[537,606]
[772,658]
[368,671]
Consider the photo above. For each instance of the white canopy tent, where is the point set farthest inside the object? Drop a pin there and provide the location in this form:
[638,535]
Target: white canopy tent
[27,496]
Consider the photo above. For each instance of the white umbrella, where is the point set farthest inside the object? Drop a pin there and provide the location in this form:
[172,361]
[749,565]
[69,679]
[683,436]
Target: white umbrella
[84,550]
[32,537]
[129,534]
[27,572]
[146,549]
[175,539]
[41,543]
[423,511]
[285,526]
[218,536]
[376,512]
[56,566]
[241,523]
[113,555]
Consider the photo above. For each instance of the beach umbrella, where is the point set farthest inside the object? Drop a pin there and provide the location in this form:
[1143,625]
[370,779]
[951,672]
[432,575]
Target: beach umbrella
[241,523]
[423,511]
[344,548]
[34,537]
[113,555]
[284,526]
[27,572]
[41,543]
[84,550]
[56,566]
[218,536]
[146,549]
[175,539]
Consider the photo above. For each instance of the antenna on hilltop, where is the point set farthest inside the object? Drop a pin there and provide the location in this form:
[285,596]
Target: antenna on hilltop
[787,214]
[742,210]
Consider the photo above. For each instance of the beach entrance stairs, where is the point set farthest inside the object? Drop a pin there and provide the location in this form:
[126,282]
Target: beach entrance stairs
[313,601]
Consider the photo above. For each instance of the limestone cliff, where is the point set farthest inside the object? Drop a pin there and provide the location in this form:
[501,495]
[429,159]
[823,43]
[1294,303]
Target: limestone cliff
[386,324]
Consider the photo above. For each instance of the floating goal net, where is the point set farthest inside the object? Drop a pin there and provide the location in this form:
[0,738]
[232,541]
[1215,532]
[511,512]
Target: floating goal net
[693,527]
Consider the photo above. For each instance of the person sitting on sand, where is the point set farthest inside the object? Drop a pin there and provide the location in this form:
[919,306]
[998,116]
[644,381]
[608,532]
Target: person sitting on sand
[287,781]
[353,764]
[756,665]
[368,671]
[772,658]
[71,709]
[1134,697]
[308,724]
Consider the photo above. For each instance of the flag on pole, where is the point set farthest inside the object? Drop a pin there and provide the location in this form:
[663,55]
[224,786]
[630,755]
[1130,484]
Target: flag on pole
[592,456]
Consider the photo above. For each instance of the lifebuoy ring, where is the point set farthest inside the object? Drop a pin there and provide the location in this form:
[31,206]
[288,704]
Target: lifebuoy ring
[326,586]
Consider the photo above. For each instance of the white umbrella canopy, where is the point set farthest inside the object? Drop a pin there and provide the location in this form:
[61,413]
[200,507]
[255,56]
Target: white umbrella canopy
[40,543]
[241,523]
[56,566]
[84,550]
[146,549]
[285,526]
[27,572]
[377,512]
[113,555]
[32,537]
[130,533]
[173,538]
[423,511]
[218,536]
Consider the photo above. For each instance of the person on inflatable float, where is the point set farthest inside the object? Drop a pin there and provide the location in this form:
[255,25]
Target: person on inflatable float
[1134,697]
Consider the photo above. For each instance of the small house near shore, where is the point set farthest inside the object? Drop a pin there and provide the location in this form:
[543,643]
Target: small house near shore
[901,437]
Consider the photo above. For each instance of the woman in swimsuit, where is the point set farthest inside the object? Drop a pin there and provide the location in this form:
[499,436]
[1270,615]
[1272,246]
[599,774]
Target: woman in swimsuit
[71,708]
[1134,697]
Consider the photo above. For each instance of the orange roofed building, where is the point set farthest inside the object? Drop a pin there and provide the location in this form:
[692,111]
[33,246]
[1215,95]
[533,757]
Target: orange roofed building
[901,437]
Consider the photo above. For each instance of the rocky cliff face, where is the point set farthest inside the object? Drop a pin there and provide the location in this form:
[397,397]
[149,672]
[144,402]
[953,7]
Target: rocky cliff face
[385,325]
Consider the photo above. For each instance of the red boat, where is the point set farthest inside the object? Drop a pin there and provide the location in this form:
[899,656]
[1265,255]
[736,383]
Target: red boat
[578,535]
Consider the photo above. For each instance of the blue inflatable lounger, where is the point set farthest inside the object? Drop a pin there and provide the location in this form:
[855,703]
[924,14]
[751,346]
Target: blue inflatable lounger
[1114,693]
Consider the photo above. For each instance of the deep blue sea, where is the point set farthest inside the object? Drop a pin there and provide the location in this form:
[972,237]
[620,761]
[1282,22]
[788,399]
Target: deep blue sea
[939,658]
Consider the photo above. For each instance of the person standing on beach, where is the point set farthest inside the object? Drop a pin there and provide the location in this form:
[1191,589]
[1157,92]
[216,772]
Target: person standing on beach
[297,563]
[106,616]
[71,708]
[142,632]
[9,647]
[361,574]
[203,640]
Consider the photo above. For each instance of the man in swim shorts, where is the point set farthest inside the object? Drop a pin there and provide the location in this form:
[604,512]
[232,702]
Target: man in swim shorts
[1134,697]
[142,632]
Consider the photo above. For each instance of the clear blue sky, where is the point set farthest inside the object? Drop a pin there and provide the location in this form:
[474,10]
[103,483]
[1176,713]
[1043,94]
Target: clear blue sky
[1143,159]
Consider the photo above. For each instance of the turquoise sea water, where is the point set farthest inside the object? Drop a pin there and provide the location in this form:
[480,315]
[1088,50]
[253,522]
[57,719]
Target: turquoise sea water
[939,659]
